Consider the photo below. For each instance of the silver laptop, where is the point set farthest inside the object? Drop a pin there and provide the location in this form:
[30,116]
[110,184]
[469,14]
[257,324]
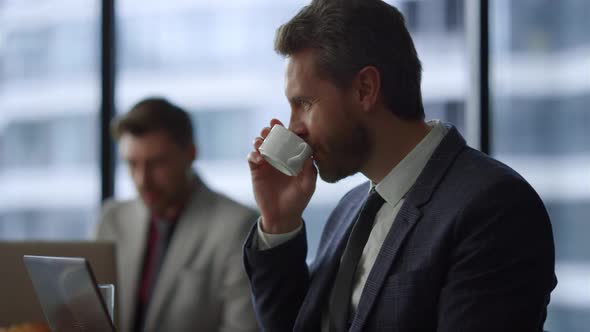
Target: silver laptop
[68,293]
[18,300]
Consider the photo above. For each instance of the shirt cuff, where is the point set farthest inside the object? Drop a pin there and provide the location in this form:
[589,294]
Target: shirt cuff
[267,241]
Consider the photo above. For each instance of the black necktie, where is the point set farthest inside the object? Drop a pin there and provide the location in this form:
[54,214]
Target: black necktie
[342,290]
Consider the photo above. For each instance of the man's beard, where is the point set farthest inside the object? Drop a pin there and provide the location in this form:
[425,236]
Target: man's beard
[347,156]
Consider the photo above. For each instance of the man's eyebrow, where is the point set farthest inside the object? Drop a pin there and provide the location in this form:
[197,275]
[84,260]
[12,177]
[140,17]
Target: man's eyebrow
[299,99]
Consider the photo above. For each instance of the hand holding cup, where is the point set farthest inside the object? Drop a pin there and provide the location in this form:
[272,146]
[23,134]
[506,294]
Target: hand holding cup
[283,177]
[284,150]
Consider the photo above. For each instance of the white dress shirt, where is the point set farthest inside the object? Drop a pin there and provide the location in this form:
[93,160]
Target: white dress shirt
[392,188]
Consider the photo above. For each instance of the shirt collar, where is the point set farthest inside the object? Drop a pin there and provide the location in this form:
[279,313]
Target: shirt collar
[177,211]
[400,179]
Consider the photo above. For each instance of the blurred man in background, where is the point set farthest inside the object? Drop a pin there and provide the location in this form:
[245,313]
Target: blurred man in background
[179,243]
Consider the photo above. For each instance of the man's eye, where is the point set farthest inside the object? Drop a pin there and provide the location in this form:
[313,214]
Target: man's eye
[160,162]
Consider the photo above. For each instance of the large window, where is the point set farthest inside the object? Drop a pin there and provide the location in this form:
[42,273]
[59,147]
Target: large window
[438,30]
[49,97]
[215,58]
[540,120]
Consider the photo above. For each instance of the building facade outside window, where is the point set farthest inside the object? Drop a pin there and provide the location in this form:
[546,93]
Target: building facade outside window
[49,101]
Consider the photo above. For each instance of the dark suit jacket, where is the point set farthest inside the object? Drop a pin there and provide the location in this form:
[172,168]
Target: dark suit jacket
[470,250]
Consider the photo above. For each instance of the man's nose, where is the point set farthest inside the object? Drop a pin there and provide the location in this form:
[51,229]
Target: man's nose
[298,126]
[141,176]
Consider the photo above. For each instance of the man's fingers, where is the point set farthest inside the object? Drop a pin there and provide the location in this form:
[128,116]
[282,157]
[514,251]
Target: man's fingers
[257,142]
[255,160]
[308,174]
[309,167]
[264,132]
[276,122]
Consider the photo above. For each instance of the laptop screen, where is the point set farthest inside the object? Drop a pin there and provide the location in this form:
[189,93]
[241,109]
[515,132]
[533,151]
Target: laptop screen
[68,294]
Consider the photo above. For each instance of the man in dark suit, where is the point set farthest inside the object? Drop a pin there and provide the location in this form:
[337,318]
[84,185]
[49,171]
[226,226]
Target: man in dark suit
[442,238]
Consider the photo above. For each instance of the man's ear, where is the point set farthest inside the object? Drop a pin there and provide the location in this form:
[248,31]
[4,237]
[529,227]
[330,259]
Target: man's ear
[368,86]
[191,155]
[192,152]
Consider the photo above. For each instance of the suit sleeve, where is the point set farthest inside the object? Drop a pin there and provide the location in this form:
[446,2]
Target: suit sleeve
[502,269]
[279,278]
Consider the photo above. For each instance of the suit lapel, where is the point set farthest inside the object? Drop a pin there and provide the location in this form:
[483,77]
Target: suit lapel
[408,216]
[183,246]
[135,227]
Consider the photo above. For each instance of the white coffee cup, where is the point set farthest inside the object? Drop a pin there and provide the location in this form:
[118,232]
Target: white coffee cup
[284,150]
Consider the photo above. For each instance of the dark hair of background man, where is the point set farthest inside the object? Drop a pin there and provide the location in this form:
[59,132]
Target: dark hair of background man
[153,115]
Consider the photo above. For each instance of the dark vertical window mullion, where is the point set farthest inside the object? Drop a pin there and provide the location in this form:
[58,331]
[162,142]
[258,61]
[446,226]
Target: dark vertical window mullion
[107,110]
[485,122]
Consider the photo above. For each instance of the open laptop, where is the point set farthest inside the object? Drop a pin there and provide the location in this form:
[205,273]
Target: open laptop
[68,293]
[18,300]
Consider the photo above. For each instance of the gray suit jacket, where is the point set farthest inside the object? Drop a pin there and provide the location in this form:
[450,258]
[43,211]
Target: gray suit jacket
[202,285]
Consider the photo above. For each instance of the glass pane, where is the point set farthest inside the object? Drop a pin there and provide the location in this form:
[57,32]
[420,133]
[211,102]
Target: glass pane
[49,92]
[540,96]
[216,59]
[438,30]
